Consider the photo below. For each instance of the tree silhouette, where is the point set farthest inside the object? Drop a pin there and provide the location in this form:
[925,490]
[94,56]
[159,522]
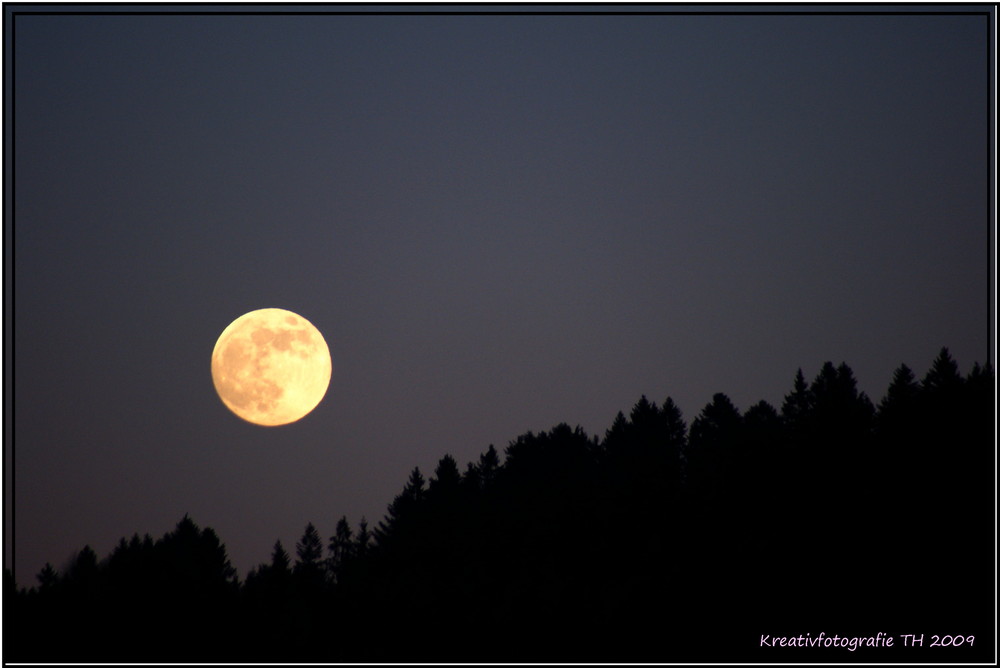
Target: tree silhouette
[489,464]
[309,550]
[760,487]
[270,611]
[896,408]
[309,578]
[657,543]
[797,407]
[715,436]
[403,509]
[341,547]
[943,379]
[900,453]
[280,561]
[47,578]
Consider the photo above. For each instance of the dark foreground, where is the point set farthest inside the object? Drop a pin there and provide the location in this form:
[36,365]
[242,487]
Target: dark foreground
[827,530]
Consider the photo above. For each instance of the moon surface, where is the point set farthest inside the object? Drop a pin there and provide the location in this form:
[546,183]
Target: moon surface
[271,367]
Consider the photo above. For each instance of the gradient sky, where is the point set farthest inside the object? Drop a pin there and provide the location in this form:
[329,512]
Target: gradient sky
[499,223]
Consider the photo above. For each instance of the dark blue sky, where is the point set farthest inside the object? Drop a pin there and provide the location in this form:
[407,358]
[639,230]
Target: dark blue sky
[498,223]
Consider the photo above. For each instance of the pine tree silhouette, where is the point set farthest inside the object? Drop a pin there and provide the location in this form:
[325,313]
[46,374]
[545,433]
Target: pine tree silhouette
[657,543]
[341,548]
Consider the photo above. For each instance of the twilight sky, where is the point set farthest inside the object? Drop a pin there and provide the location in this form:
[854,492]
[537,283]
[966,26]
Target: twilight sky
[499,223]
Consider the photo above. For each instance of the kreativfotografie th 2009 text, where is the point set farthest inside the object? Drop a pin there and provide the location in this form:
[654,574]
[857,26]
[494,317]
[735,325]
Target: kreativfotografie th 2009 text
[852,643]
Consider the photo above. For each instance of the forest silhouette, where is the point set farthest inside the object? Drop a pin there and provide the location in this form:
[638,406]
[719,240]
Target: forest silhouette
[661,541]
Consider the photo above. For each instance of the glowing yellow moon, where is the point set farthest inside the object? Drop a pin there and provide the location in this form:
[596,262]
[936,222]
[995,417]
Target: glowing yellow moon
[271,367]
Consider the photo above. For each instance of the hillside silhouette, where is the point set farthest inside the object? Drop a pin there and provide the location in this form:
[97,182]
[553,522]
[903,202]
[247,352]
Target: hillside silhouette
[660,541]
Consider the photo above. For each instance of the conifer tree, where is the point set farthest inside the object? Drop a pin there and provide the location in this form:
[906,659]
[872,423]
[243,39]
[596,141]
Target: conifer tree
[488,466]
[675,440]
[762,461]
[309,568]
[47,578]
[403,508]
[943,378]
[446,478]
[280,561]
[341,547]
[900,400]
[715,434]
[797,407]
[616,435]
[363,541]
[309,549]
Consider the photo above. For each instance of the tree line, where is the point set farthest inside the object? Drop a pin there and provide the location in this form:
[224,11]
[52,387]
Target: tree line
[660,541]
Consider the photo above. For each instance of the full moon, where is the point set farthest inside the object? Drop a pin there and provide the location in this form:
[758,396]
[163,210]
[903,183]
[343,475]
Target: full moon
[271,367]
